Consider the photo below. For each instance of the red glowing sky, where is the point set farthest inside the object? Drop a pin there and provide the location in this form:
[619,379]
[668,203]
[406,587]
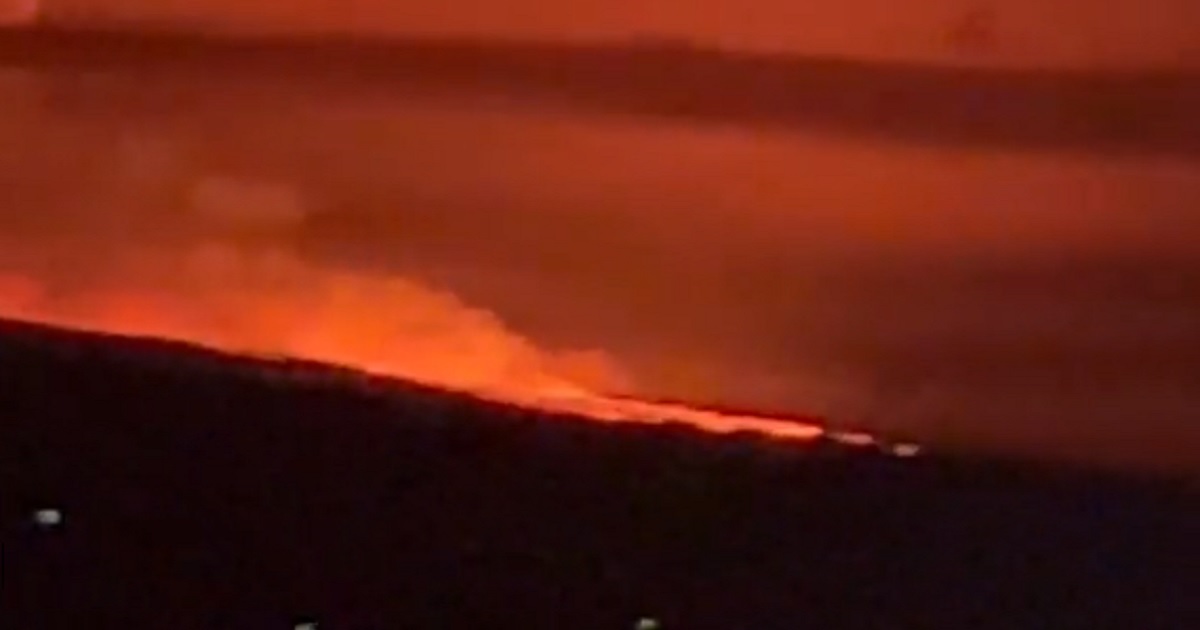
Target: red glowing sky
[1024,32]
[1011,299]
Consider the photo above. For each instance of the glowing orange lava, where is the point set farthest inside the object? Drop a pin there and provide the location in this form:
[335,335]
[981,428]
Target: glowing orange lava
[275,305]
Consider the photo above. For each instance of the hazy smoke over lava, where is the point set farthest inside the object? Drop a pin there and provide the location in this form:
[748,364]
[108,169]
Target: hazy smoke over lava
[1037,302]
[266,300]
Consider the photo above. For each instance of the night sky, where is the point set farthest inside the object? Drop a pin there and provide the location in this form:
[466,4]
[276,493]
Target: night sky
[1013,296]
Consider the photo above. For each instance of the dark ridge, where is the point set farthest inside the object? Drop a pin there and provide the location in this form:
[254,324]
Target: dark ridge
[1142,113]
[199,494]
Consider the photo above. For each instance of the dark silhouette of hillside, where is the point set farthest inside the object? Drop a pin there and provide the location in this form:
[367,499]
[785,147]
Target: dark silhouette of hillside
[206,491]
[1107,112]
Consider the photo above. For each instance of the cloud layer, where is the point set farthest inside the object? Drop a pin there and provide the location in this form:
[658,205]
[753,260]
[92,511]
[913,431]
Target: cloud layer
[1038,302]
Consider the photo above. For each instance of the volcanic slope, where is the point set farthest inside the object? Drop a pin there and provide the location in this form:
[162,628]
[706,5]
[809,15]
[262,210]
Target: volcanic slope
[202,490]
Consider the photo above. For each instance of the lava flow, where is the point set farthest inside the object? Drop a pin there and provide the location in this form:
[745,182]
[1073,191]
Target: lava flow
[276,305]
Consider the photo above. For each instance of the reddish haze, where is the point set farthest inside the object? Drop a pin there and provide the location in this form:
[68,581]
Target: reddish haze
[271,304]
[1014,301]
[1030,33]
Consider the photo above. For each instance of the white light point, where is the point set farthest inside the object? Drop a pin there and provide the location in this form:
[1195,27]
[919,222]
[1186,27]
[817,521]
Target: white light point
[48,517]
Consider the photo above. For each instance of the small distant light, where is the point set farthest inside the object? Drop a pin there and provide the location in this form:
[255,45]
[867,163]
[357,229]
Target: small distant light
[852,438]
[647,623]
[48,518]
[906,450]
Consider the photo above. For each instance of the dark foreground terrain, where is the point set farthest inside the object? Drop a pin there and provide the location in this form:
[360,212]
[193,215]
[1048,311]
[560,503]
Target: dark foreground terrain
[202,491]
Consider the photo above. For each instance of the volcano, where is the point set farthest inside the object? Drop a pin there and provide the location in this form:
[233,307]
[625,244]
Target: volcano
[148,484]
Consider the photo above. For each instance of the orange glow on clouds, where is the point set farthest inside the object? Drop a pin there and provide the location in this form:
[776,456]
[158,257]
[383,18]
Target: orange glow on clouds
[1003,300]
[1026,33]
